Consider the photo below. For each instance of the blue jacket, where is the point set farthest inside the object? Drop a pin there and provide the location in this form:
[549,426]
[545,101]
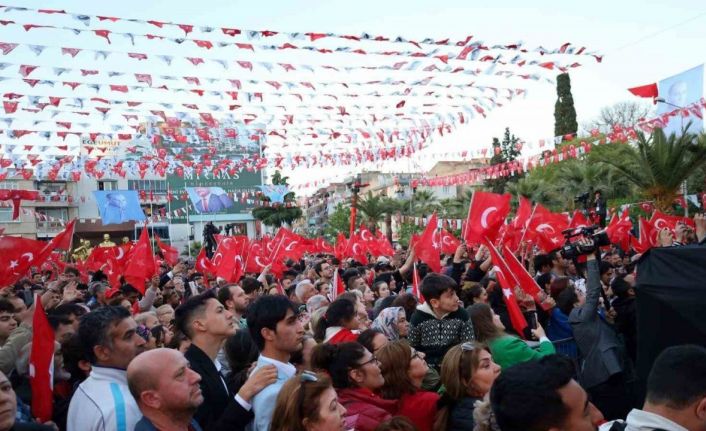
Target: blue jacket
[145,425]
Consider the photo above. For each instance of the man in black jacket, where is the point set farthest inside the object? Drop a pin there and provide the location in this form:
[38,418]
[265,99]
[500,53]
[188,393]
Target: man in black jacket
[207,323]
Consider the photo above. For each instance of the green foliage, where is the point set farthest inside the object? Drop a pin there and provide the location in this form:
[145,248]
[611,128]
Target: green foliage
[195,248]
[422,204]
[405,232]
[658,164]
[564,111]
[503,151]
[338,221]
[278,214]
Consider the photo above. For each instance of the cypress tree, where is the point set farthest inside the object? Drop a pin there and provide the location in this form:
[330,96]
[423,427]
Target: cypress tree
[564,112]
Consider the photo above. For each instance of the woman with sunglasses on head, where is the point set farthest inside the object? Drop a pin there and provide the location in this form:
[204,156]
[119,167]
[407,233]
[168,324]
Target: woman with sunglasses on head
[404,369]
[467,373]
[356,376]
[308,402]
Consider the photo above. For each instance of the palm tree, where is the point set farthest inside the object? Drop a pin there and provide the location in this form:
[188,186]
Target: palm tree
[278,214]
[372,208]
[659,164]
[424,203]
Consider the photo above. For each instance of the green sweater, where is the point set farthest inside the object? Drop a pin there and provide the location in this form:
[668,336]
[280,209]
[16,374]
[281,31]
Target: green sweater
[509,350]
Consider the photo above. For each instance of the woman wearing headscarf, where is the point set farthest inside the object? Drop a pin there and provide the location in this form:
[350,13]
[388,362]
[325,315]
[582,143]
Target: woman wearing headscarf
[392,322]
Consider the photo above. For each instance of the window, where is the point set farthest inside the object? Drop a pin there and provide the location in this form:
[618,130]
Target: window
[157,186]
[9,185]
[6,215]
[107,185]
[52,191]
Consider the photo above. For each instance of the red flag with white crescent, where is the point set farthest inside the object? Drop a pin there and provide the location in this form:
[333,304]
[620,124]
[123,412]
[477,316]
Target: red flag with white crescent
[41,364]
[507,282]
[415,285]
[203,264]
[486,215]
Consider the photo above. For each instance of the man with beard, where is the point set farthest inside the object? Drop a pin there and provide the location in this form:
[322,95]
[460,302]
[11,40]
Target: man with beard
[235,300]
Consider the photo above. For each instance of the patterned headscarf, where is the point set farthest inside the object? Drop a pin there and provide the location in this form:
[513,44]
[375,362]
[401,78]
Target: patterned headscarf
[386,322]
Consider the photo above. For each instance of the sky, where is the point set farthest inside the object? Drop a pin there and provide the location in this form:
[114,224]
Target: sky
[642,42]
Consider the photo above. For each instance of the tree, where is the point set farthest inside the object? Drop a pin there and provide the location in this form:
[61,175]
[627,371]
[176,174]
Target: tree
[627,113]
[424,203]
[659,164]
[338,221]
[372,210]
[564,111]
[277,214]
[504,151]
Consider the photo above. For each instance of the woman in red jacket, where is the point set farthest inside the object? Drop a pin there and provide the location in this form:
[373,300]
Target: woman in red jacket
[337,324]
[356,376]
[404,369]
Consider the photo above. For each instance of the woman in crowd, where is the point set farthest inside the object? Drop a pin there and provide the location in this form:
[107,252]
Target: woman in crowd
[373,340]
[507,350]
[381,288]
[308,402]
[404,369]
[338,323]
[392,322]
[302,357]
[467,373]
[240,353]
[355,373]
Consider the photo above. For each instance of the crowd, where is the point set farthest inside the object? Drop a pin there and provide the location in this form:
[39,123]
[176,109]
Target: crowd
[291,353]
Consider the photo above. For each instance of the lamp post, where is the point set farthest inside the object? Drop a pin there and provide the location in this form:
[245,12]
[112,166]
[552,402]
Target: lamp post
[681,117]
[355,189]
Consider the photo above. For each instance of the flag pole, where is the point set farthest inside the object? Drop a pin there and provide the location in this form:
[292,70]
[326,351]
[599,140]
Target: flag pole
[524,230]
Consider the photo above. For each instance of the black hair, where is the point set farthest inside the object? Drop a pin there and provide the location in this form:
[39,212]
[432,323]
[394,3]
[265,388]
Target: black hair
[525,396]
[99,276]
[318,265]
[58,319]
[127,289]
[541,260]
[72,352]
[73,271]
[265,312]
[95,327]
[620,287]
[336,360]
[434,285]
[566,299]
[350,273]
[250,284]
[241,352]
[6,306]
[678,377]
[67,310]
[366,338]
[185,313]
[543,280]
[224,294]
[604,266]
[338,312]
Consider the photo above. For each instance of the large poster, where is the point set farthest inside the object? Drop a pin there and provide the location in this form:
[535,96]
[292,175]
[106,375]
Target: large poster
[118,206]
[204,194]
[679,91]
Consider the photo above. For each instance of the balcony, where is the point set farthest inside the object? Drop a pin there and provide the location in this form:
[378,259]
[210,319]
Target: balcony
[49,227]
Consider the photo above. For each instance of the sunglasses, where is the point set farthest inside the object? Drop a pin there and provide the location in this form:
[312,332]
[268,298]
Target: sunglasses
[372,360]
[468,347]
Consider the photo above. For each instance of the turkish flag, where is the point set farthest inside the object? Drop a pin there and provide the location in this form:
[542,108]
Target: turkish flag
[323,246]
[382,245]
[618,230]
[546,227]
[649,90]
[171,254]
[661,221]
[449,243]
[140,262]
[228,258]
[649,235]
[486,215]
[428,247]
[338,287]
[203,264]
[366,239]
[415,285]
[258,257]
[507,282]
[341,246]
[17,255]
[356,249]
[520,274]
[578,220]
[41,364]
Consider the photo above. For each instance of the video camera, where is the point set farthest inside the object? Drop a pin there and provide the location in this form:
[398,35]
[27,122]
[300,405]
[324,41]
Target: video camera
[572,250]
[583,198]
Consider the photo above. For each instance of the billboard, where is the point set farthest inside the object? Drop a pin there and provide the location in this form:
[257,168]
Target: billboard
[118,206]
[679,91]
[207,193]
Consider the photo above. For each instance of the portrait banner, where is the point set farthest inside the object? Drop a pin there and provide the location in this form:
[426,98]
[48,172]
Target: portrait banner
[118,206]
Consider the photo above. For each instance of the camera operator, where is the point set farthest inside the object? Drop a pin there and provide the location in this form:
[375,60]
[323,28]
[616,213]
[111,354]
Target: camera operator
[600,207]
[209,241]
[604,367]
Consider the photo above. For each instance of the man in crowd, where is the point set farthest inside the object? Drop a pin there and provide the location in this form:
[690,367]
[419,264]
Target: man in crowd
[103,401]
[7,320]
[166,390]
[207,323]
[541,395]
[236,302]
[304,291]
[676,394]
[324,271]
[275,328]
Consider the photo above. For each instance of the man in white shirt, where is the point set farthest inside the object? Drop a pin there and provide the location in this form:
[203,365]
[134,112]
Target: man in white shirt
[273,322]
[103,401]
[676,394]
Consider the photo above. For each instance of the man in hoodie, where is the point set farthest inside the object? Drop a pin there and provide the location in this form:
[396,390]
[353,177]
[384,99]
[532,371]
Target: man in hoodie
[676,394]
[439,323]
